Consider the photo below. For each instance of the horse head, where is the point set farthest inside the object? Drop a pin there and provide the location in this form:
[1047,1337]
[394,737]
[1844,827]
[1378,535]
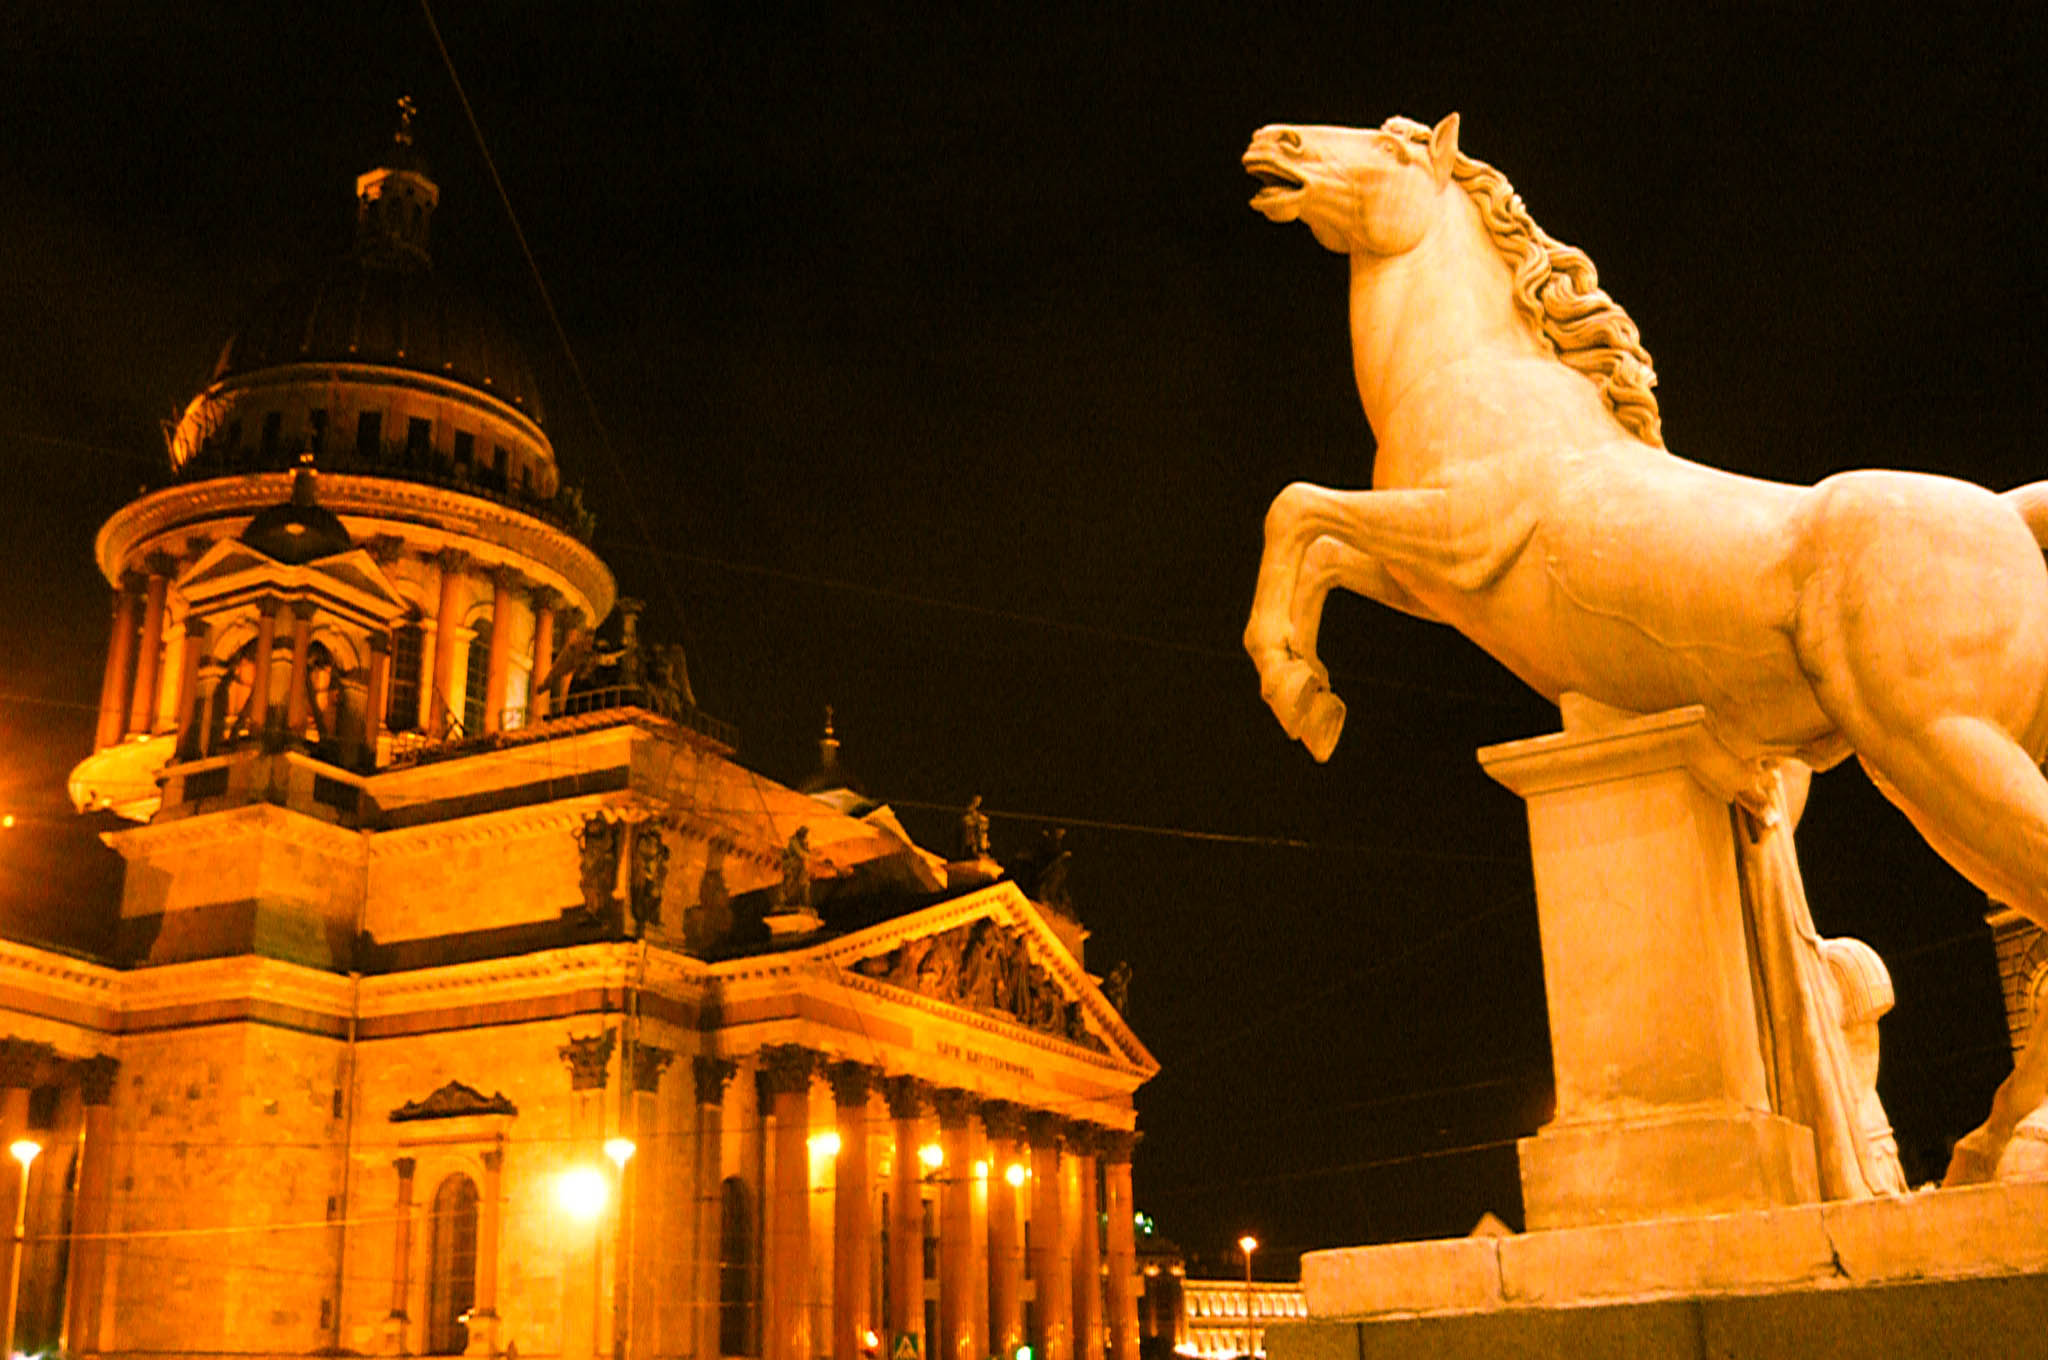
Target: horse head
[1369,190]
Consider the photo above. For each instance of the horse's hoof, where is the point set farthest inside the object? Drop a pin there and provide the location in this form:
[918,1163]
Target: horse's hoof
[1323,724]
[1974,1162]
[1290,690]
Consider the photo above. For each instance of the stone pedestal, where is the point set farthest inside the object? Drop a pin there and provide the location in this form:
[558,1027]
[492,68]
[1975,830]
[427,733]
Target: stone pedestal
[1662,1102]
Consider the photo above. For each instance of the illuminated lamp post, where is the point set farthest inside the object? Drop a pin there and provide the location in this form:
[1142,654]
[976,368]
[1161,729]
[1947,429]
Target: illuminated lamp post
[1248,1244]
[25,1151]
[621,1151]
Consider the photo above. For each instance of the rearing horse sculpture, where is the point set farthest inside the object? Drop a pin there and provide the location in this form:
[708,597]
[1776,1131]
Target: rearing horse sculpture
[1522,494]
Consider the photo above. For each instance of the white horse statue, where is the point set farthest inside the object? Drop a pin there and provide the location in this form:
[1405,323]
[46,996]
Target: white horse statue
[1522,494]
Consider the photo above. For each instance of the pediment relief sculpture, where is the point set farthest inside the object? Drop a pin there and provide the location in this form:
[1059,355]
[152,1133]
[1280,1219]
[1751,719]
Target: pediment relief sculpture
[985,966]
[454,1101]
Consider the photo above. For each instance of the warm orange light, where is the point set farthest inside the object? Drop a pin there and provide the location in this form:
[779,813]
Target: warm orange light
[25,1150]
[1247,1244]
[582,1191]
[825,1144]
[620,1150]
[932,1155]
[1015,1173]
[981,1171]
[7,821]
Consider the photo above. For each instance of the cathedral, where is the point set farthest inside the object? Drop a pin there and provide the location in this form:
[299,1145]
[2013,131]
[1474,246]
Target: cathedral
[468,995]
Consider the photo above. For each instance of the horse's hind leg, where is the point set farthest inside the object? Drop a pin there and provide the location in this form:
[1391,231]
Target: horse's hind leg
[2012,785]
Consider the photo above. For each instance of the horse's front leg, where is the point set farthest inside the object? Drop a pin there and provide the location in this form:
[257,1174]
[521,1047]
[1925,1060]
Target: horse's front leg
[1316,540]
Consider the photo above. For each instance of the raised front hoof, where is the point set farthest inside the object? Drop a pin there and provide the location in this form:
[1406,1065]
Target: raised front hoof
[1975,1160]
[1322,724]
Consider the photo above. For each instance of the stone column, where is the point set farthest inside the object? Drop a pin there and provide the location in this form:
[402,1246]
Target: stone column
[958,1282]
[583,1312]
[190,710]
[646,1209]
[544,601]
[114,686]
[1086,1231]
[503,581]
[401,1257]
[490,1215]
[451,565]
[297,700]
[378,695]
[786,1077]
[1052,1268]
[853,1216]
[906,1215]
[1115,1147]
[148,656]
[710,1076]
[1663,1108]
[266,642]
[1005,1124]
[87,1273]
[21,1063]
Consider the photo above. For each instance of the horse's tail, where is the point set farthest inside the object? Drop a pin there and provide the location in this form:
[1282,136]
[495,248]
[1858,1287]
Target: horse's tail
[2031,501]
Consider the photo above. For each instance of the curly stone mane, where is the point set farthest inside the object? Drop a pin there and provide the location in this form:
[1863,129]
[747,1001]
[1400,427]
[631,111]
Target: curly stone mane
[1557,286]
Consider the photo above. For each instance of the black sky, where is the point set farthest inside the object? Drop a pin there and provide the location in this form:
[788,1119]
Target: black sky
[951,377]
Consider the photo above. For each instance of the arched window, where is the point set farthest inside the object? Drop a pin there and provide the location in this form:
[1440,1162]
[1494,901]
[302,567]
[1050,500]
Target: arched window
[476,674]
[408,643]
[451,1266]
[736,1269]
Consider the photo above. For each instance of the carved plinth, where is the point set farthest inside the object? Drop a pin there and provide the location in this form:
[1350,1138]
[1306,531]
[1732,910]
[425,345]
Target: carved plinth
[1662,1103]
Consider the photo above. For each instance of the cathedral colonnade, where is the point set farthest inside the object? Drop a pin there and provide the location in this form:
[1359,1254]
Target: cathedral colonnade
[895,1207]
[55,1190]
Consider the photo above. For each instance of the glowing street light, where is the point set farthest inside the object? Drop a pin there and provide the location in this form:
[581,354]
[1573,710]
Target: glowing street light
[583,1192]
[932,1156]
[620,1150]
[1015,1173]
[1248,1244]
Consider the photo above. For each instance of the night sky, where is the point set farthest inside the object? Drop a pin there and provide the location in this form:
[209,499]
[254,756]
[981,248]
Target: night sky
[946,379]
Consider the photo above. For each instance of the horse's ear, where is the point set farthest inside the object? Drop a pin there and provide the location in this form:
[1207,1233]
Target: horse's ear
[1443,149]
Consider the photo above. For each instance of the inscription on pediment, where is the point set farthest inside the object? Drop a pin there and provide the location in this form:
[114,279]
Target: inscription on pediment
[452,1102]
[985,966]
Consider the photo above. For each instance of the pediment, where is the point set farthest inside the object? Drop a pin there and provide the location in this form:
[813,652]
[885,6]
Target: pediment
[1001,960]
[454,1101]
[351,579]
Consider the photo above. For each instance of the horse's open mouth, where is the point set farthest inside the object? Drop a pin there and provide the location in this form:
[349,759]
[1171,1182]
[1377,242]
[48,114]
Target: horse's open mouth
[1279,187]
[1273,176]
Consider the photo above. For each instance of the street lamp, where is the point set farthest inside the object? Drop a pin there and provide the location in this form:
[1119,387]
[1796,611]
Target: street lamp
[25,1151]
[1248,1244]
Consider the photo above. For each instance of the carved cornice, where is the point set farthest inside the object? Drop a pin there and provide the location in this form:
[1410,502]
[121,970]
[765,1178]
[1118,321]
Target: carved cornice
[1045,1129]
[786,1069]
[1114,1146]
[208,828]
[987,966]
[454,1101]
[404,1166]
[851,1083]
[478,827]
[906,1095]
[421,515]
[711,1075]
[589,1059]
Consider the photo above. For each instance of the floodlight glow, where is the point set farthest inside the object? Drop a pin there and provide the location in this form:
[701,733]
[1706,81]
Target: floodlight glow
[620,1150]
[981,1170]
[932,1155]
[1247,1244]
[825,1144]
[582,1191]
[1015,1173]
[25,1150]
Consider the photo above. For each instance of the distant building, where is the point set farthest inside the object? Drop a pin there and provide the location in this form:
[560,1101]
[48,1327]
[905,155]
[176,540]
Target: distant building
[1210,1318]
[469,995]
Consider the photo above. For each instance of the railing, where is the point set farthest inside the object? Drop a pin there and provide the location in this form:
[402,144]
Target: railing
[517,724]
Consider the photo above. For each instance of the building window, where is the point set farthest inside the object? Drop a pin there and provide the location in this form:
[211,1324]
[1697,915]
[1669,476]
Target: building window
[316,429]
[419,440]
[465,448]
[273,429]
[500,460]
[408,643]
[475,678]
[451,1272]
[735,1269]
[369,434]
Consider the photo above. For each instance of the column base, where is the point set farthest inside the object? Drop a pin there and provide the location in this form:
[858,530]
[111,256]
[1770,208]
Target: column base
[1680,1165]
[483,1333]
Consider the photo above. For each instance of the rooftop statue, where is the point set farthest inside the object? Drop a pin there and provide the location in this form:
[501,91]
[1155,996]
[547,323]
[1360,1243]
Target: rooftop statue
[1523,495]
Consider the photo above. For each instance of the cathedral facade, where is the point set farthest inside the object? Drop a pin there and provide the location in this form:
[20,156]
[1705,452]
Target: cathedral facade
[469,996]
